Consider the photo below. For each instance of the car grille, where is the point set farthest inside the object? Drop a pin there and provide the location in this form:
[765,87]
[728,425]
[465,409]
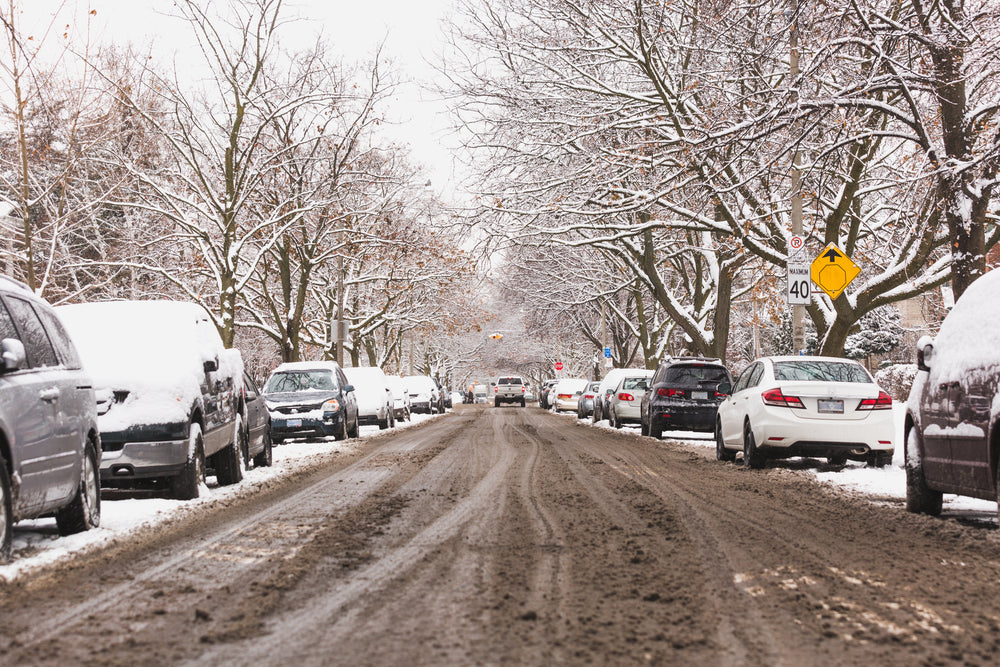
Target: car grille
[297,409]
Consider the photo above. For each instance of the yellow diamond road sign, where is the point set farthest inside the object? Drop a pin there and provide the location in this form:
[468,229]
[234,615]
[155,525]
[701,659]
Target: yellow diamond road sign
[833,271]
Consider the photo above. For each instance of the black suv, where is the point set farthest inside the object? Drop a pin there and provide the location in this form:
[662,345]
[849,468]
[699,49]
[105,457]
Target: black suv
[684,395]
[50,446]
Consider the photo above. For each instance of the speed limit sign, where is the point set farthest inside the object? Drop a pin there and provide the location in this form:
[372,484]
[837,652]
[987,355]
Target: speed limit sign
[799,288]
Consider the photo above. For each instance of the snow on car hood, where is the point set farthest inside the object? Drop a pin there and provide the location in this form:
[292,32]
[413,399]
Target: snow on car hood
[153,350]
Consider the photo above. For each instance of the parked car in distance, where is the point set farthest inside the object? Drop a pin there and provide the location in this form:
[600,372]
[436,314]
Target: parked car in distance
[604,391]
[952,423]
[311,399]
[423,393]
[255,440]
[50,450]
[400,397]
[684,395]
[566,393]
[480,393]
[544,399]
[167,393]
[585,407]
[805,406]
[509,389]
[372,393]
[623,406]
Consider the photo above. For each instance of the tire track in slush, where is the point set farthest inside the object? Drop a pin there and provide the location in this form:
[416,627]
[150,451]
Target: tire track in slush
[298,630]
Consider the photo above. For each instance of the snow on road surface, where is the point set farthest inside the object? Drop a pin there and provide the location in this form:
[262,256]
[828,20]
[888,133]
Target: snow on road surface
[37,543]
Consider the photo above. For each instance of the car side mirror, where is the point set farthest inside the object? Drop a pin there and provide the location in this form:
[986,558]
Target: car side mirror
[12,355]
[211,365]
[925,353]
[348,388]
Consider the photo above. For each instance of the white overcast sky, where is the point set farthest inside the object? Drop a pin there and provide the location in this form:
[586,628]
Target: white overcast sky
[410,30]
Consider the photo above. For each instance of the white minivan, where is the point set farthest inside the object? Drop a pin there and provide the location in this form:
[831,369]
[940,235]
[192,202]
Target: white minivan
[374,397]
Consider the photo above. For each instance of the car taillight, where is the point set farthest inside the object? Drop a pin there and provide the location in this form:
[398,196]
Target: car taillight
[588,396]
[523,389]
[625,397]
[663,391]
[775,397]
[496,390]
[565,397]
[883,402]
[720,394]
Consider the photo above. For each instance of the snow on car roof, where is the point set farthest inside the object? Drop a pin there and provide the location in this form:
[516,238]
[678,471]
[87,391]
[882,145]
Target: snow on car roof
[306,366]
[970,336]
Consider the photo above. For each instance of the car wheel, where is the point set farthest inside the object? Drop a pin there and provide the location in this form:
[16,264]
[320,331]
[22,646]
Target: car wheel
[6,513]
[596,413]
[920,498]
[643,426]
[752,458]
[617,423]
[342,432]
[187,484]
[523,402]
[392,417]
[276,440]
[655,428]
[721,453]
[383,424]
[496,402]
[838,460]
[354,432]
[84,512]
[266,457]
[228,462]
[878,459]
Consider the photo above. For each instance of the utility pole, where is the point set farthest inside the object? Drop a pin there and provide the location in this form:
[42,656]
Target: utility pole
[798,311]
[604,334]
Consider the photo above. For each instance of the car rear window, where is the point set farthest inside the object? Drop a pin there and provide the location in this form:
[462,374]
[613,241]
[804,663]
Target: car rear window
[509,381]
[695,375]
[635,383]
[819,371]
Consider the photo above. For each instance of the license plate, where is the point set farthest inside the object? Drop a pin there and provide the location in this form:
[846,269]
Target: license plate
[831,407]
[699,395]
[293,423]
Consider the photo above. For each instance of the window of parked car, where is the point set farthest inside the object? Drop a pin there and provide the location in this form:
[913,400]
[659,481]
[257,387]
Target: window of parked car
[320,380]
[819,371]
[634,383]
[61,340]
[7,328]
[36,341]
[694,374]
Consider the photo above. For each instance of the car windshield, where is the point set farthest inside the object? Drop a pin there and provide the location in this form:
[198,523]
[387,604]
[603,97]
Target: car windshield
[635,383]
[695,375]
[819,371]
[287,381]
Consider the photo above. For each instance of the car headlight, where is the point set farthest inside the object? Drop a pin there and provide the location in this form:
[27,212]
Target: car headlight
[331,406]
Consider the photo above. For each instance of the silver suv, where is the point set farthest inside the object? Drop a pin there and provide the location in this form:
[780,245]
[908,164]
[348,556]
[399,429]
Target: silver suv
[49,442]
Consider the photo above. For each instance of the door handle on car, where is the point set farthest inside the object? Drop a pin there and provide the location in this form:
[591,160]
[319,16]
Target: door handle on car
[49,395]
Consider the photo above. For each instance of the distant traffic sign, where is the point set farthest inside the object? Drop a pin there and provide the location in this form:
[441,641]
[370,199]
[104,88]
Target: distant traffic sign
[559,365]
[607,353]
[833,271]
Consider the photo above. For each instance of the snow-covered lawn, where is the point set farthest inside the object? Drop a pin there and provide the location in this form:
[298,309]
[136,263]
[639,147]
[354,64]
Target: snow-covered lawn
[37,542]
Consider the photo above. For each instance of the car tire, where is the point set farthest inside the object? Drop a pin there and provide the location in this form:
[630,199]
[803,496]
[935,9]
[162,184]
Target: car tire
[228,462]
[187,484]
[617,423]
[838,460]
[496,402]
[354,432]
[276,441]
[523,402]
[595,418]
[752,458]
[266,456]
[6,513]
[721,453]
[84,512]
[643,426]
[878,459]
[920,498]
[342,432]
[655,428]
[383,424]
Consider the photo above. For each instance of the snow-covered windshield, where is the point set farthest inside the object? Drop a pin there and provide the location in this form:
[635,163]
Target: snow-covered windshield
[291,381]
[820,371]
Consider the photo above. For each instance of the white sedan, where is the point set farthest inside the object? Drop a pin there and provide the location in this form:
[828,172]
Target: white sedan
[805,406]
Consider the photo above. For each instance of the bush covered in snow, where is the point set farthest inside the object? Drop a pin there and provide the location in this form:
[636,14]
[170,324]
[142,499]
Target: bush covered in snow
[897,379]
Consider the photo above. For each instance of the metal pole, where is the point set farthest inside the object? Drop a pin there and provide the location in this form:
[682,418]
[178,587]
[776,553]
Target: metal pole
[604,333]
[798,311]
[340,309]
